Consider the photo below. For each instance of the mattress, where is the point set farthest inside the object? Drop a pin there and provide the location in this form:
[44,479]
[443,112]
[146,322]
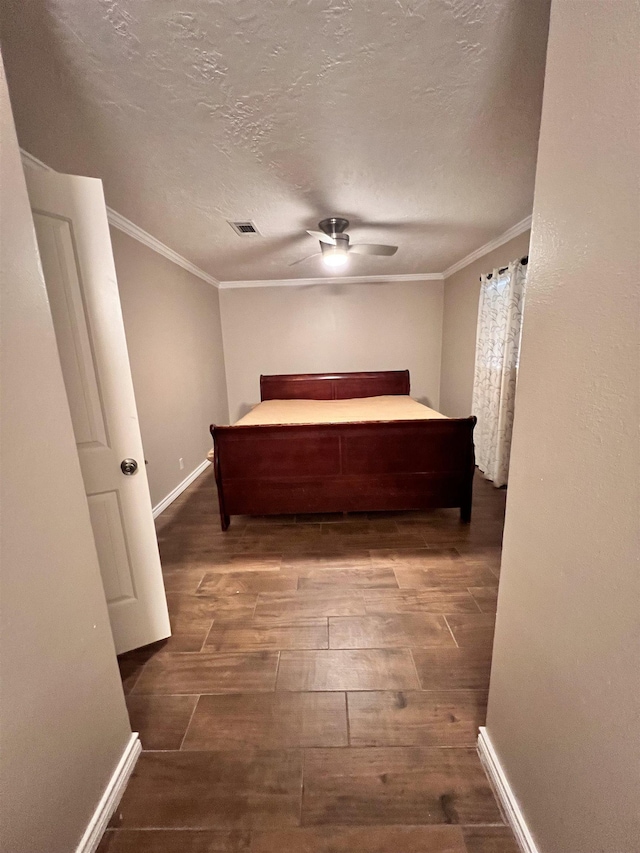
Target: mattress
[392,407]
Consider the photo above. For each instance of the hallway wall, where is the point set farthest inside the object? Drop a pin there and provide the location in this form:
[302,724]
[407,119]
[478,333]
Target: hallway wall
[62,713]
[564,703]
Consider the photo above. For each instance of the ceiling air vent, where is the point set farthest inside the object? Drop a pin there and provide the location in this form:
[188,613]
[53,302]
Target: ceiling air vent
[244,228]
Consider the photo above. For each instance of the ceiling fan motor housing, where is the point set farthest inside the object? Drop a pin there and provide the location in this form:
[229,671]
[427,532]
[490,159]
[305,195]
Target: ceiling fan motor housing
[333,226]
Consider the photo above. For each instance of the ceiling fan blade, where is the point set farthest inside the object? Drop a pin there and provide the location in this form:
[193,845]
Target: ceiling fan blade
[324,238]
[300,260]
[372,249]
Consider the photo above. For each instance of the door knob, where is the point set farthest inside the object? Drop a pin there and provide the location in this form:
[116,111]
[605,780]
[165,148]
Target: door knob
[128,466]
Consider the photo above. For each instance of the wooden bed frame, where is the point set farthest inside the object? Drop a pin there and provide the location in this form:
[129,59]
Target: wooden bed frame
[347,467]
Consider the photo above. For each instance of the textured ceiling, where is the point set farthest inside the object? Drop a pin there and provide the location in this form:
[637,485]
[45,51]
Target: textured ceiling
[416,119]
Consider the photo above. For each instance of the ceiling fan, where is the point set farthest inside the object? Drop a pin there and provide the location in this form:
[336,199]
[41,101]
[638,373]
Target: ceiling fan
[335,247]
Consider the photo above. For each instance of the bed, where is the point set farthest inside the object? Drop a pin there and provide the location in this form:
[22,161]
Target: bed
[351,442]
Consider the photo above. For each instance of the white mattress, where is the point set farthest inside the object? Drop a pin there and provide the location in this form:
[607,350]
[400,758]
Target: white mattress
[392,407]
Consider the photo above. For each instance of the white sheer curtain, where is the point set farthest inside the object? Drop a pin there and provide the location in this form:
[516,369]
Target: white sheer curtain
[496,370]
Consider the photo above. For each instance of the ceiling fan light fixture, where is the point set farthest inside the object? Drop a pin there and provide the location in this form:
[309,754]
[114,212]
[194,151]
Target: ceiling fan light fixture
[335,257]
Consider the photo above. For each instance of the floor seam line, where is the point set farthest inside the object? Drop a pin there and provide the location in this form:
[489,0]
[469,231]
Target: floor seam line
[450,631]
[184,736]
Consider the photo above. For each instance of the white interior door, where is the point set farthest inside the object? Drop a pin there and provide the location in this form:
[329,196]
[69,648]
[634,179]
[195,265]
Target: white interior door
[70,217]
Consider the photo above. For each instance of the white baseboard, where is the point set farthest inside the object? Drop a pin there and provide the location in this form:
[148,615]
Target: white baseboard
[111,797]
[504,793]
[179,489]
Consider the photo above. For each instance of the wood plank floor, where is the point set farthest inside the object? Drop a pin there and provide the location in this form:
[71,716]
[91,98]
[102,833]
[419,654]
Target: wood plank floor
[323,687]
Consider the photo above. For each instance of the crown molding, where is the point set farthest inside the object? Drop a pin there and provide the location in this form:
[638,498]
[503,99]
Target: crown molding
[514,231]
[125,225]
[332,279]
[30,160]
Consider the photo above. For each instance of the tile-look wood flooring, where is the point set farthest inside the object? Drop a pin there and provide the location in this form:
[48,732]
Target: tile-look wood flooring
[322,689]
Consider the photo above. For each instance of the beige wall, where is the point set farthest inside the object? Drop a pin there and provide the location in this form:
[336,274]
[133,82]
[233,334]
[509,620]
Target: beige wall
[564,704]
[63,719]
[313,329]
[172,322]
[461,295]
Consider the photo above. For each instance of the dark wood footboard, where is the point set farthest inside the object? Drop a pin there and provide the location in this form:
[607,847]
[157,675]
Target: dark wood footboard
[352,467]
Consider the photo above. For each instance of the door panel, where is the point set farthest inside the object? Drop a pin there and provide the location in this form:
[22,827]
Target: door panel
[75,248]
[69,316]
[108,527]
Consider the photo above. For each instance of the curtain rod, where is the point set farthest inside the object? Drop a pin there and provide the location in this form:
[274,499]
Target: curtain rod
[524,261]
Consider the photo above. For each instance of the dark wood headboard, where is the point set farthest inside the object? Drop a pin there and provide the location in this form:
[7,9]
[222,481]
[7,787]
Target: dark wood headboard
[333,386]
